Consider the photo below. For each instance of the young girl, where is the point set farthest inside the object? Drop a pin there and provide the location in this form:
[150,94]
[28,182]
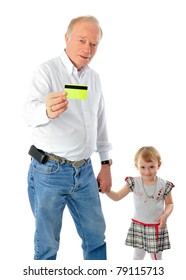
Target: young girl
[153,204]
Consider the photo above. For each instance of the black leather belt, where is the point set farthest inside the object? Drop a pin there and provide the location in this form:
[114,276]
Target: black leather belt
[42,157]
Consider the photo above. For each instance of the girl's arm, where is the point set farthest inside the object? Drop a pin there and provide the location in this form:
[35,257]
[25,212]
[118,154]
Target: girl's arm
[168,210]
[120,194]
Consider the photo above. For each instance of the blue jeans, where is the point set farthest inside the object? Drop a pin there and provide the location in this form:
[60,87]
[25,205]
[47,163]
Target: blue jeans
[52,186]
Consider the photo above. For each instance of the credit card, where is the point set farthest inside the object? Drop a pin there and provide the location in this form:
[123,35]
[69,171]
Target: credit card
[76,91]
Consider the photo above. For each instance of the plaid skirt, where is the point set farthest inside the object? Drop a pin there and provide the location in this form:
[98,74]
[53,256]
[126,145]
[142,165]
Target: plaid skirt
[150,238]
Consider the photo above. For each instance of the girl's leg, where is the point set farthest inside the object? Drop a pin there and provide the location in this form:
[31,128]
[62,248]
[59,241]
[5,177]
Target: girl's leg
[139,254]
[156,256]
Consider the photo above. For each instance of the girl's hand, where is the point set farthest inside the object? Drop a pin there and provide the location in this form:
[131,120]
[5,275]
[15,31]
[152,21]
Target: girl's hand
[162,220]
[104,179]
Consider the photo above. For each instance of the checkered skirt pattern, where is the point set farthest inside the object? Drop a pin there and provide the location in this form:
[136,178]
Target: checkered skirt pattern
[145,237]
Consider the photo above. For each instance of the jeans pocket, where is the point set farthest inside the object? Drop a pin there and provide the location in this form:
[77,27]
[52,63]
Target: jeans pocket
[49,167]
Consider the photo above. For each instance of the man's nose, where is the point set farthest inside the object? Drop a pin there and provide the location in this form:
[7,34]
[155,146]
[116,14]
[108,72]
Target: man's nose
[87,47]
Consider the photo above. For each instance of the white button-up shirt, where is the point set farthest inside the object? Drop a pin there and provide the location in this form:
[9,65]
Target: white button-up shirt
[81,129]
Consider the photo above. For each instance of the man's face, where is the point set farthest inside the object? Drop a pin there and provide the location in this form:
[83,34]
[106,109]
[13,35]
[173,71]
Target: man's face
[82,43]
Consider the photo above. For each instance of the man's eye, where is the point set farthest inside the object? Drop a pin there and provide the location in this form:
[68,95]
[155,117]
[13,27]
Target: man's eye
[93,45]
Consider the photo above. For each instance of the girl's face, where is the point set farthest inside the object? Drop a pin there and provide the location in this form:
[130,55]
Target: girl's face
[147,170]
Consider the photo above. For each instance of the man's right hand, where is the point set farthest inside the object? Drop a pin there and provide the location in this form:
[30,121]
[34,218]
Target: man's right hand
[56,104]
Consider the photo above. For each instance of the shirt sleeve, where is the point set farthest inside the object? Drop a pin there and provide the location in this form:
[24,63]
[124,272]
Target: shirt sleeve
[168,187]
[34,111]
[103,144]
[130,182]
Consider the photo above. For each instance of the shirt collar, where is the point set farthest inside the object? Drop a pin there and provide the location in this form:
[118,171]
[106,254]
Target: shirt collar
[70,67]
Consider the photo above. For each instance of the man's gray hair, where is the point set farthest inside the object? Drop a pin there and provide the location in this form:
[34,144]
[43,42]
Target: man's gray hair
[82,18]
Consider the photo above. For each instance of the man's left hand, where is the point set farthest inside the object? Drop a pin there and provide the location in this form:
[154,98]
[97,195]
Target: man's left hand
[104,179]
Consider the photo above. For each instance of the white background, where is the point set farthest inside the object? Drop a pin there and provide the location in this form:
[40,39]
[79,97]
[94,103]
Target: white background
[142,64]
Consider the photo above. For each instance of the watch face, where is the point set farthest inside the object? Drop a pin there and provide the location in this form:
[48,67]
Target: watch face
[109,162]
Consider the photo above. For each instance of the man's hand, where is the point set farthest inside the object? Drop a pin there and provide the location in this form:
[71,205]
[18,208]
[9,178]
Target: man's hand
[104,179]
[56,104]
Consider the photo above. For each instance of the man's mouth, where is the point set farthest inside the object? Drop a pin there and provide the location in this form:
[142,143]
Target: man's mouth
[85,57]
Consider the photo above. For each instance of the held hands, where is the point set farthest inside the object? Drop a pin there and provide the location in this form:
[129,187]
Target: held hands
[56,104]
[104,179]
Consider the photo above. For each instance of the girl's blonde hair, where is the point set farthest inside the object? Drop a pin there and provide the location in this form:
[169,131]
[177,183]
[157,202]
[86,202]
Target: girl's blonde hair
[148,153]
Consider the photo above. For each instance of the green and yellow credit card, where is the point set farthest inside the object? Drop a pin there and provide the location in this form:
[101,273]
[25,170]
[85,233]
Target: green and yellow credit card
[76,91]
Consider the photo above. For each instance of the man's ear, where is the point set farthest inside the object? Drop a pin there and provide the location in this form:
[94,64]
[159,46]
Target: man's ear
[66,37]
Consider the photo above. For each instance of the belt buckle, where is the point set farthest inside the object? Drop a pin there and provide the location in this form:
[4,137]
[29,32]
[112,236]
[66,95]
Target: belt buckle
[77,164]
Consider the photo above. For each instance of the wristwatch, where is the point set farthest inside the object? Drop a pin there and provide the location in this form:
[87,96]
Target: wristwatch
[109,162]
